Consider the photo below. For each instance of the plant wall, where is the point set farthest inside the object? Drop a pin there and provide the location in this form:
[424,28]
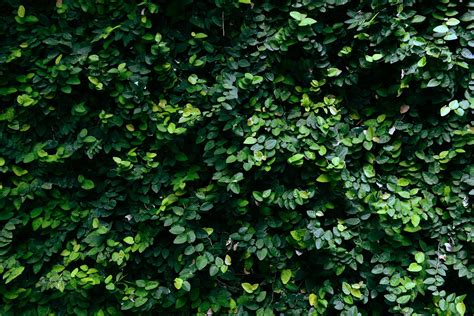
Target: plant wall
[187,157]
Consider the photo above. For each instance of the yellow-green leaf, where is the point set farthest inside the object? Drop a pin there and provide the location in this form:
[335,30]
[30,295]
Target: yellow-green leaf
[313,299]
[285,276]
[323,178]
[21,11]
[249,288]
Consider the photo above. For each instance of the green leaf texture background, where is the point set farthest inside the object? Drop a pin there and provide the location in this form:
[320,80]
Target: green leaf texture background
[236,157]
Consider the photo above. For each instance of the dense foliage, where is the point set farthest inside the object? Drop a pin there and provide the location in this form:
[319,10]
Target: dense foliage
[216,157]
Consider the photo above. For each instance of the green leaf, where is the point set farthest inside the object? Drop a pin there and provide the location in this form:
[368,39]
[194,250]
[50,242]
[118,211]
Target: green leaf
[433,83]
[369,171]
[297,16]
[403,182]
[129,240]
[21,11]
[178,283]
[415,220]
[307,21]
[452,22]
[180,239]
[313,299]
[441,29]
[2,161]
[176,230]
[262,253]
[444,110]
[250,140]
[323,178]
[461,308]
[13,273]
[295,158]
[403,299]
[334,72]
[414,267]
[419,257]
[285,276]
[201,262]
[249,288]
[87,184]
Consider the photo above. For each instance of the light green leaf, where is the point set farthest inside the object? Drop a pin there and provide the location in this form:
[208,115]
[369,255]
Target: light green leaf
[415,219]
[452,22]
[285,276]
[441,29]
[333,72]
[295,158]
[307,21]
[178,283]
[313,299]
[461,308]
[129,240]
[250,141]
[297,16]
[414,267]
[444,110]
[323,178]
[433,83]
[403,182]
[419,257]
[21,11]
[249,288]
[403,299]
[369,171]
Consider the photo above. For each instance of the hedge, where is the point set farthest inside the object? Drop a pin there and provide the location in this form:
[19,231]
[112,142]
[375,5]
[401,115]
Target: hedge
[187,157]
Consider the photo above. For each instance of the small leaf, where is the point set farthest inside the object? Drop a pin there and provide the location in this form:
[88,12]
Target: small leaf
[178,283]
[21,11]
[445,110]
[334,72]
[307,21]
[249,288]
[228,260]
[403,182]
[297,16]
[323,178]
[403,299]
[452,21]
[201,262]
[433,83]
[415,219]
[295,158]
[461,308]
[285,276]
[176,230]
[129,240]
[414,267]
[419,257]
[180,239]
[369,171]
[262,253]
[441,29]
[87,184]
[250,141]
[313,299]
